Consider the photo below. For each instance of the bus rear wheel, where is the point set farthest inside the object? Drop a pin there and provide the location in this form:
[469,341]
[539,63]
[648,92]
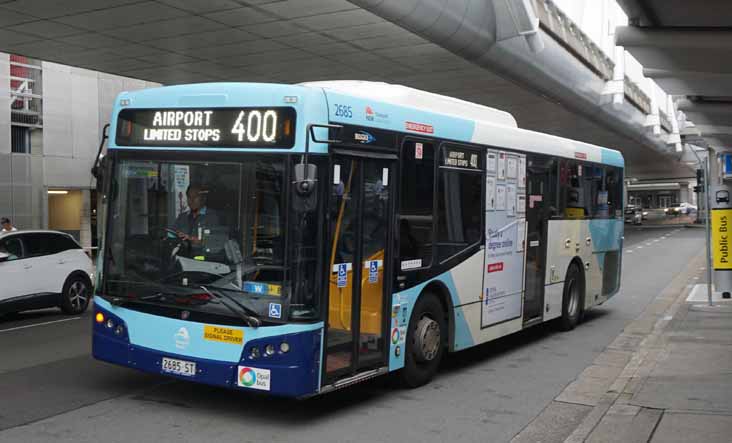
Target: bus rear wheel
[425,342]
[572,298]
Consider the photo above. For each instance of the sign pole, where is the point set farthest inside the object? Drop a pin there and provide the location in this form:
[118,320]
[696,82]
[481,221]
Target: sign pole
[708,228]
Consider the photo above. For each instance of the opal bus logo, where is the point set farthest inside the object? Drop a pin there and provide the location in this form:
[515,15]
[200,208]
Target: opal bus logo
[395,335]
[182,338]
[254,378]
[247,377]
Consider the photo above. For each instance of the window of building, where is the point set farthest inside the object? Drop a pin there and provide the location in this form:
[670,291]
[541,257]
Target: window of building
[459,200]
[20,140]
[416,205]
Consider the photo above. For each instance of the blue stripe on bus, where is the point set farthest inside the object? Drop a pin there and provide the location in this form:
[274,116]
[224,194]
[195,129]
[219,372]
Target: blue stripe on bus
[292,374]
[405,301]
[606,234]
[463,338]
[156,332]
[612,157]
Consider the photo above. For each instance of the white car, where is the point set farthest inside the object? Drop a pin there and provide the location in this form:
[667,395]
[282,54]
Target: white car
[688,208]
[42,269]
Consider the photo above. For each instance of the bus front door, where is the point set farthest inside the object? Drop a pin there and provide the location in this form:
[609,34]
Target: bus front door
[359,215]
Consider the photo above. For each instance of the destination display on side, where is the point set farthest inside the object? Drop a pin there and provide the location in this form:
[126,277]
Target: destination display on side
[251,127]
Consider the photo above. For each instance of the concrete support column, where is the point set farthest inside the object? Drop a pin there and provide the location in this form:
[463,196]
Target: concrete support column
[85,225]
[684,196]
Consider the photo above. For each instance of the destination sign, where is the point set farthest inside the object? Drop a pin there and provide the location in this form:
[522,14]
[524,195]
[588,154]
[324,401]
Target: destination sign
[455,157]
[213,127]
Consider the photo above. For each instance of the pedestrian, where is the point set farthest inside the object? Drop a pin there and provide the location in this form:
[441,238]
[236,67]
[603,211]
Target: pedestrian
[7,226]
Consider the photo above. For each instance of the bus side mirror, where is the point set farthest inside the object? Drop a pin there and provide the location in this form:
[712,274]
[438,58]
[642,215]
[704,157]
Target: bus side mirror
[98,172]
[306,177]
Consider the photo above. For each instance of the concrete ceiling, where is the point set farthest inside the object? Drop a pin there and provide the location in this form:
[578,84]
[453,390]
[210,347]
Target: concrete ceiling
[685,46]
[183,41]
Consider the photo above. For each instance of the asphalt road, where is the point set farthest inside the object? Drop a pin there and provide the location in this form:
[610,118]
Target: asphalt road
[52,390]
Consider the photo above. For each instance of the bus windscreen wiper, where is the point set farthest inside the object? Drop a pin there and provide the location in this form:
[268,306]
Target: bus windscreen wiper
[242,311]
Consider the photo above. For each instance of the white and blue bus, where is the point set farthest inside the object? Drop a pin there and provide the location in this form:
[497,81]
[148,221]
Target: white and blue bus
[296,239]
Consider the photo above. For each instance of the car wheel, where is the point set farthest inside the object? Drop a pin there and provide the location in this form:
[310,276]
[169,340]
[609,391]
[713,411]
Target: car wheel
[572,299]
[76,295]
[425,342]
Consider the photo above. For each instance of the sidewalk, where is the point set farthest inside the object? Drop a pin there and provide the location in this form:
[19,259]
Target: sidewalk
[666,378]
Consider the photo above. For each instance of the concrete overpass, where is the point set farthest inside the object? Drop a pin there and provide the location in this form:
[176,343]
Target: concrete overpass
[525,57]
[684,47]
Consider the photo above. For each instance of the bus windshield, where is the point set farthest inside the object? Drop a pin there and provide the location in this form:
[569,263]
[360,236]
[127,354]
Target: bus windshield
[206,231]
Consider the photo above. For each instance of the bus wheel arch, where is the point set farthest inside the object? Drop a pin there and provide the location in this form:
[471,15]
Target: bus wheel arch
[426,338]
[573,295]
[439,289]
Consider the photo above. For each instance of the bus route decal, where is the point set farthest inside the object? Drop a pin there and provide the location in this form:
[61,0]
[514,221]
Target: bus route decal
[505,232]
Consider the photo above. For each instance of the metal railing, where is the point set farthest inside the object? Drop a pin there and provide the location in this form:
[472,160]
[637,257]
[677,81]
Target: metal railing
[558,25]
[636,96]
[665,122]
[26,95]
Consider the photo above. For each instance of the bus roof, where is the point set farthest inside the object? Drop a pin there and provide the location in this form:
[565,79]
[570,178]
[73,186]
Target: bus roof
[379,105]
[469,122]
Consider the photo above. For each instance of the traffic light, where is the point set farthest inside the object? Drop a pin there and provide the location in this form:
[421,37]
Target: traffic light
[698,189]
[700,178]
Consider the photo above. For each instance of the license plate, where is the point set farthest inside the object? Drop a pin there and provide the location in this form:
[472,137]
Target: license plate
[178,367]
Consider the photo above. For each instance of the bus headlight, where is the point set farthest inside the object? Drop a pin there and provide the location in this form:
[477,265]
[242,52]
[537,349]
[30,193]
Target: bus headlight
[119,330]
[284,347]
[254,353]
[269,350]
[110,323]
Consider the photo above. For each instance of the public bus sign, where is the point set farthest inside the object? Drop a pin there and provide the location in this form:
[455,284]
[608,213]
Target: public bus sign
[721,238]
[213,127]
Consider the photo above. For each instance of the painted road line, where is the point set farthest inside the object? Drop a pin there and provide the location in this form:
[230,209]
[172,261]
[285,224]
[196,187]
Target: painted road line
[40,324]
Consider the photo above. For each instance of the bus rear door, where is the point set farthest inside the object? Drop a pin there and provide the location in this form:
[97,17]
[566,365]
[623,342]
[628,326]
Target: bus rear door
[539,173]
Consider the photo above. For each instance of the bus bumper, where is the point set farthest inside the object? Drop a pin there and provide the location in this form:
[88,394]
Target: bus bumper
[295,373]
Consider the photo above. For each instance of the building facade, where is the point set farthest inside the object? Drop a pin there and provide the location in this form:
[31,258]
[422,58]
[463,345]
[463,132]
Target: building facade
[661,195]
[51,122]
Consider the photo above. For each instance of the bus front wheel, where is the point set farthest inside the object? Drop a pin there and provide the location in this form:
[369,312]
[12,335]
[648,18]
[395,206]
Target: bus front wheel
[572,298]
[425,342]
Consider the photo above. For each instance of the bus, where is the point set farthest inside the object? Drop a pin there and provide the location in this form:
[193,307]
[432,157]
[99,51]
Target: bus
[298,239]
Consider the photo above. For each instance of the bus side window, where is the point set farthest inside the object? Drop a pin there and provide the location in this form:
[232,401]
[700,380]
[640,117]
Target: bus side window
[416,207]
[614,187]
[459,204]
[571,192]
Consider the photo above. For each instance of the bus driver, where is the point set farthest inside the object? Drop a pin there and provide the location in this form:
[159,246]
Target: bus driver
[192,224]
